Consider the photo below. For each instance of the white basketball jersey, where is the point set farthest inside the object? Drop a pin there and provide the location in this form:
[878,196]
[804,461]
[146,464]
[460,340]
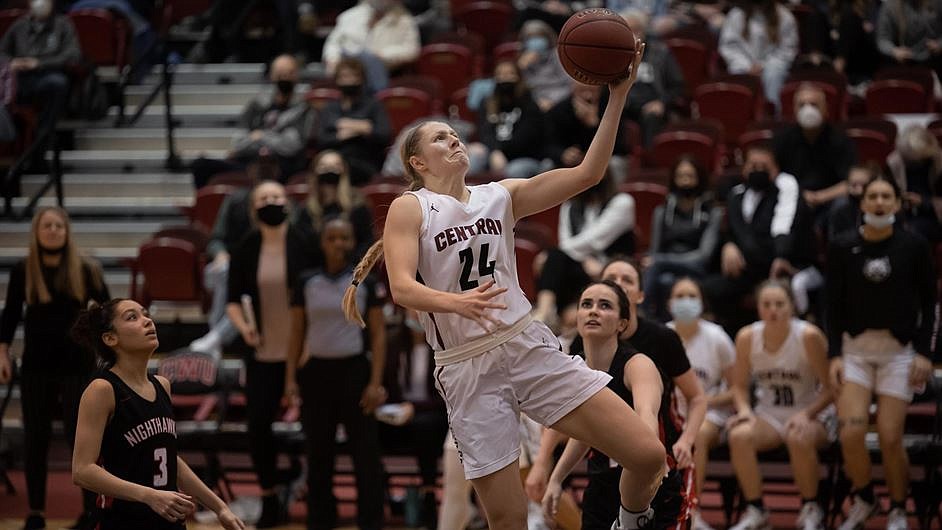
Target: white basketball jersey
[711,352]
[462,246]
[783,379]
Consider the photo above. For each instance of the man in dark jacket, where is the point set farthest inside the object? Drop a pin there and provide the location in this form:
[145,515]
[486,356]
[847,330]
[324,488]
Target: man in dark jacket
[769,235]
[39,47]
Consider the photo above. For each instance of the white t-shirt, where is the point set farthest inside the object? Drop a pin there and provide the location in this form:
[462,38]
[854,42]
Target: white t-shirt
[711,352]
[462,246]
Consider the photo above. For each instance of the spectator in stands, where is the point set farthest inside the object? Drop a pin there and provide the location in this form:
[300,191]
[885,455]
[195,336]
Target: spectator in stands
[844,213]
[539,64]
[909,31]
[382,34]
[593,226]
[275,125]
[227,20]
[330,195]
[769,235]
[39,47]
[685,232]
[786,358]
[337,372]
[265,267]
[711,354]
[552,12]
[881,292]
[816,153]
[357,126]
[663,14]
[571,124]
[54,283]
[856,55]
[510,126]
[916,166]
[760,38]
[660,82]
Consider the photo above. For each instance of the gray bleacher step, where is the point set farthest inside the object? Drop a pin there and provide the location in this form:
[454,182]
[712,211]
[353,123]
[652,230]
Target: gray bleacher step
[147,161]
[222,115]
[118,282]
[225,73]
[138,138]
[14,236]
[113,185]
[168,208]
[187,95]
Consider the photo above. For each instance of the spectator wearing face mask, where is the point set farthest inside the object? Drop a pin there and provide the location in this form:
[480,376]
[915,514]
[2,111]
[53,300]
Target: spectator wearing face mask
[39,47]
[844,212]
[275,123]
[539,65]
[357,125]
[916,166]
[660,82]
[382,34]
[769,235]
[818,154]
[265,267]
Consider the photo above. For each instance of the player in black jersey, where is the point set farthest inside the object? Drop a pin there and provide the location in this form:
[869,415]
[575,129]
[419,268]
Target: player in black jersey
[603,314]
[125,443]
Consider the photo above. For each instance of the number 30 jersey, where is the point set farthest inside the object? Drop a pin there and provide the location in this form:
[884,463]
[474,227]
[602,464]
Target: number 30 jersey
[139,445]
[462,246]
[783,378]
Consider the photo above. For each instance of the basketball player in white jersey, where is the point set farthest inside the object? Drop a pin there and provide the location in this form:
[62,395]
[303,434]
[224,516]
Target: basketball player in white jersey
[450,256]
[786,359]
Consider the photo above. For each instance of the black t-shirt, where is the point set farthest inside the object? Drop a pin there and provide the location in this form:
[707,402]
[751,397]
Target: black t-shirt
[599,462]
[139,445]
[662,345]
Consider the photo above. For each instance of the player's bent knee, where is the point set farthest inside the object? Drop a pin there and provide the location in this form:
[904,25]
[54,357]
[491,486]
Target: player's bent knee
[740,435]
[853,430]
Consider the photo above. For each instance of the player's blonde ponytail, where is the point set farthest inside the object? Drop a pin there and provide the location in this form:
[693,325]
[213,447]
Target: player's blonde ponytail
[362,269]
[410,146]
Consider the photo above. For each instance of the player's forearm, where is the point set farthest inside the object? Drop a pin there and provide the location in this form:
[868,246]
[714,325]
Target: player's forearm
[574,452]
[192,485]
[94,478]
[696,412]
[548,442]
[414,295]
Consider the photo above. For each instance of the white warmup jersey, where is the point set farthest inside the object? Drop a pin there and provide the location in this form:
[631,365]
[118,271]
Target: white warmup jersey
[462,246]
[711,352]
[783,379]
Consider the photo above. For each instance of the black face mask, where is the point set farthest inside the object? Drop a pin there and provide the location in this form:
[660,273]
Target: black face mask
[328,177]
[51,251]
[285,87]
[272,214]
[350,90]
[505,88]
[758,180]
[687,193]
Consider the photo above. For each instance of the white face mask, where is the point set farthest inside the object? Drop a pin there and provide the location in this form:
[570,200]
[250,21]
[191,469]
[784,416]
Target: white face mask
[686,309]
[809,117]
[879,221]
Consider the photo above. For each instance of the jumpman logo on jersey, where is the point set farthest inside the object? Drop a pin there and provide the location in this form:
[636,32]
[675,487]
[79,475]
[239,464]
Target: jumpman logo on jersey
[433,208]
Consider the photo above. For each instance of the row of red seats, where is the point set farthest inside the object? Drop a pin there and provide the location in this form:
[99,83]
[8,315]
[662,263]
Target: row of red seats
[104,36]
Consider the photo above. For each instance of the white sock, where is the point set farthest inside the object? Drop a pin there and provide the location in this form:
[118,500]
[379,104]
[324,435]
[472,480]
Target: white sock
[628,520]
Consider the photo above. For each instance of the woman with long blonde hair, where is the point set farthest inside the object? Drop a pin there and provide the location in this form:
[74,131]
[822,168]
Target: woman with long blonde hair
[449,255]
[53,283]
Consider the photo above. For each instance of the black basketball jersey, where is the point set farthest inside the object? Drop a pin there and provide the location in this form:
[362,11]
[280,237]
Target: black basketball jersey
[139,445]
[599,462]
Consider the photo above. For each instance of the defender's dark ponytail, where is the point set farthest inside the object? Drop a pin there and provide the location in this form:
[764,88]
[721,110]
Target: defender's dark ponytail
[91,324]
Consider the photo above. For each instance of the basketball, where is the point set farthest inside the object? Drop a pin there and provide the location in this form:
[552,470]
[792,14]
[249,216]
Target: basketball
[596,46]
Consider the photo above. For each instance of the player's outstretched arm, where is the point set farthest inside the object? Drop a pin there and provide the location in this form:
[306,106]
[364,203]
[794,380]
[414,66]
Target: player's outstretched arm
[191,484]
[401,248]
[548,189]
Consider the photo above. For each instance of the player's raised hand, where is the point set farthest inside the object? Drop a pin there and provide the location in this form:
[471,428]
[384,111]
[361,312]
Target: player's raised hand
[476,303]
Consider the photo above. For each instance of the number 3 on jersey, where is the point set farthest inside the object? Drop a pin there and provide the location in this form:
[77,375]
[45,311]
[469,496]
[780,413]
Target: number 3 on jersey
[485,268]
[160,458]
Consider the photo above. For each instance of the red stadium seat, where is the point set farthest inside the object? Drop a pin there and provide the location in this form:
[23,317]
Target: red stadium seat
[693,57]
[731,104]
[171,271]
[8,17]
[196,237]
[507,51]
[836,102]
[318,97]
[525,252]
[549,219]
[490,20]
[427,84]
[404,105]
[874,123]
[451,64]
[755,137]
[667,146]
[647,196]
[379,197]
[535,232]
[897,96]
[458,107]
[238,179]
[922,75]
[871,145]
[208,201]
[298,192]
[103,36]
